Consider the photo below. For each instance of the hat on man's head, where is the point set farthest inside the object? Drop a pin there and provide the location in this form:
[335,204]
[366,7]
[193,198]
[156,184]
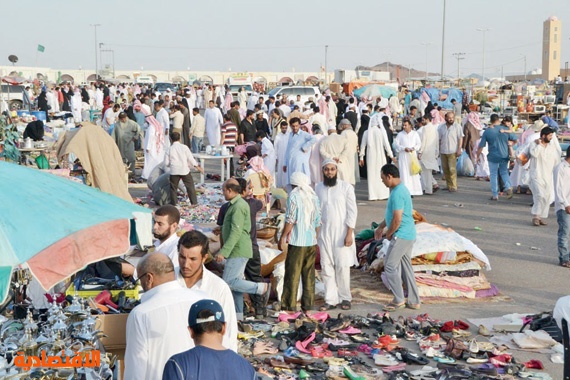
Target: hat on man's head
[329,161]
[331,128]
[344,122]
[214,307]
[538,125]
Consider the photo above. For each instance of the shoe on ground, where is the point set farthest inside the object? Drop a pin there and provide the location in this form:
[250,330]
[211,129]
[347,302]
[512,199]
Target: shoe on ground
[565,264]
[509,193]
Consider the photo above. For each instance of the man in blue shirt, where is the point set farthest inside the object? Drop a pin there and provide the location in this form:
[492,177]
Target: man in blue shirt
[497,136]
[401,233]
[549,121]
[209,360]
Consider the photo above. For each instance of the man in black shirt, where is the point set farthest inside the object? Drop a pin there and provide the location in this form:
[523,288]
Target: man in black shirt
[246,129]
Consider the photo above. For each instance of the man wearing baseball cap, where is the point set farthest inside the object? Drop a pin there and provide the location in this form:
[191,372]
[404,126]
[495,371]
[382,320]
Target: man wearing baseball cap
[209,359]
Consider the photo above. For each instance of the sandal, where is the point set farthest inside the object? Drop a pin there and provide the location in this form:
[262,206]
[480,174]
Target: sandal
[264,348]
[345,305]
[535,222]
[413,306]
[327,307]
[394,306]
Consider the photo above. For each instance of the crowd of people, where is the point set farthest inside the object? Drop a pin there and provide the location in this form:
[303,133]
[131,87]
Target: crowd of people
[316,151]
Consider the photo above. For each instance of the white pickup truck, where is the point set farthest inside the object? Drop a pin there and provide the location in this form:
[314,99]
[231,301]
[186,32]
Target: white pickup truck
[15,97]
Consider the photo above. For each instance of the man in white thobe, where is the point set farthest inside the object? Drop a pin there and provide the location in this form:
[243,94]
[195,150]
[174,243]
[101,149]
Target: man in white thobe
[544,156]
[406,144]
[298,151]
[163,118]
[335,147]
[351,137]
[316,160]
[158,327]
[428,153]
[267,152]
[336,237]
[214,121]
[192,255]
[280,145]
[374,143]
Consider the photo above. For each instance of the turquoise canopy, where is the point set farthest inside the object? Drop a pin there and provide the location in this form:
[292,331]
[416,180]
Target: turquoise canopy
[58,226]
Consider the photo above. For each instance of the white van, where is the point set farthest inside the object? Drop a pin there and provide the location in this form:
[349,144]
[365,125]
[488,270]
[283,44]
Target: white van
[144,80]
[291,92]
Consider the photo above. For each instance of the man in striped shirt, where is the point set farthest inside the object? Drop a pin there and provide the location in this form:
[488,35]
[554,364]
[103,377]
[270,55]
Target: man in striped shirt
[229,137]
[302,224]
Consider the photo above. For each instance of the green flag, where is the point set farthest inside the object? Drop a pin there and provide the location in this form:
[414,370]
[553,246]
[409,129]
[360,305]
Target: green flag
[41,48]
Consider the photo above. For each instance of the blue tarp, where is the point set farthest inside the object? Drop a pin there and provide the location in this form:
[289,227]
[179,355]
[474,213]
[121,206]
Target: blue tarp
[435,95]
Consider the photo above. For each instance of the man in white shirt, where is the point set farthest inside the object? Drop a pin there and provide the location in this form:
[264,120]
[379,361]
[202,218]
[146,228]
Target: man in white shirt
[180,160]
[157,328]
[197,130]
[285,110]
[319,119]
[166,219]
[110,116]
[562,208]
[193,249]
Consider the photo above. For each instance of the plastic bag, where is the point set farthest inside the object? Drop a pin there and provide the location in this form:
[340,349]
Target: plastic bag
[465,165]
[523,154]
[415,167]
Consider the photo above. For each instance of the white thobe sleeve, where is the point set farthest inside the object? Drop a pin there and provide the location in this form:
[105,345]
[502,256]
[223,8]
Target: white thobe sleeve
[416,141]
[351,209]
[136,353]
[363,144]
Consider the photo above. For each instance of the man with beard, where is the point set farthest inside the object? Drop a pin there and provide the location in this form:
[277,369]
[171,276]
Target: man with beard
[166,219]
[544,156]
[193,248]
[336,238]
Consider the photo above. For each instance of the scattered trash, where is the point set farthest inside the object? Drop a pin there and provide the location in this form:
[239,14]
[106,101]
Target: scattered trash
[535,248]
[478,229]
[458,205]
[518,244]
[444,225]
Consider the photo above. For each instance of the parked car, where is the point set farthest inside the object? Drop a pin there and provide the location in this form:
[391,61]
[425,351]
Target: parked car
[15,96]
[305,92]
[234,89]
[163,86]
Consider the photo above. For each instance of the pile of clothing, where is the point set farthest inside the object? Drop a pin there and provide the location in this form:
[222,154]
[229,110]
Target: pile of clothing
[210,199]
[446,264]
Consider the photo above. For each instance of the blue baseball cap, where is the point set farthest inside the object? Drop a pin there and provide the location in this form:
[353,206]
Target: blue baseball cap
[214,307]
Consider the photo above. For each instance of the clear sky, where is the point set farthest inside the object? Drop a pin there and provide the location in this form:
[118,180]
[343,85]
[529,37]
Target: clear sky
[259,35]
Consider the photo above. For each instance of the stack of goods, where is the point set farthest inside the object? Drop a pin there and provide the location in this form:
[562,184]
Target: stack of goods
[448,265]
[54,344]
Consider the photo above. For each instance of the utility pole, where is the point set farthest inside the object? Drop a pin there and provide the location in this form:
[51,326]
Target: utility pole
[459,57]
[484,30]
[326,57]
[426,44]
[525,68]
[443,41]
[96,62]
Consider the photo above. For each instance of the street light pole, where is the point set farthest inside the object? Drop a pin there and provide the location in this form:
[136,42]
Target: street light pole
[426,44]
[443,41]
[484,30]
[326,58]
[96,62]
[459,57]
[525,68]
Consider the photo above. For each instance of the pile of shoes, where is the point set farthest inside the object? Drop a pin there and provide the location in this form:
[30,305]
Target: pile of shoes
[314,345]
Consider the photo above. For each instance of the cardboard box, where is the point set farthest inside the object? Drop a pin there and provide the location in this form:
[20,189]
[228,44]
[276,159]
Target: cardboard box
[115,327]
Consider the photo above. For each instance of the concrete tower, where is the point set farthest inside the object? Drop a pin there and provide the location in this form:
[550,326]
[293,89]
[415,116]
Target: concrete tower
[551,43]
